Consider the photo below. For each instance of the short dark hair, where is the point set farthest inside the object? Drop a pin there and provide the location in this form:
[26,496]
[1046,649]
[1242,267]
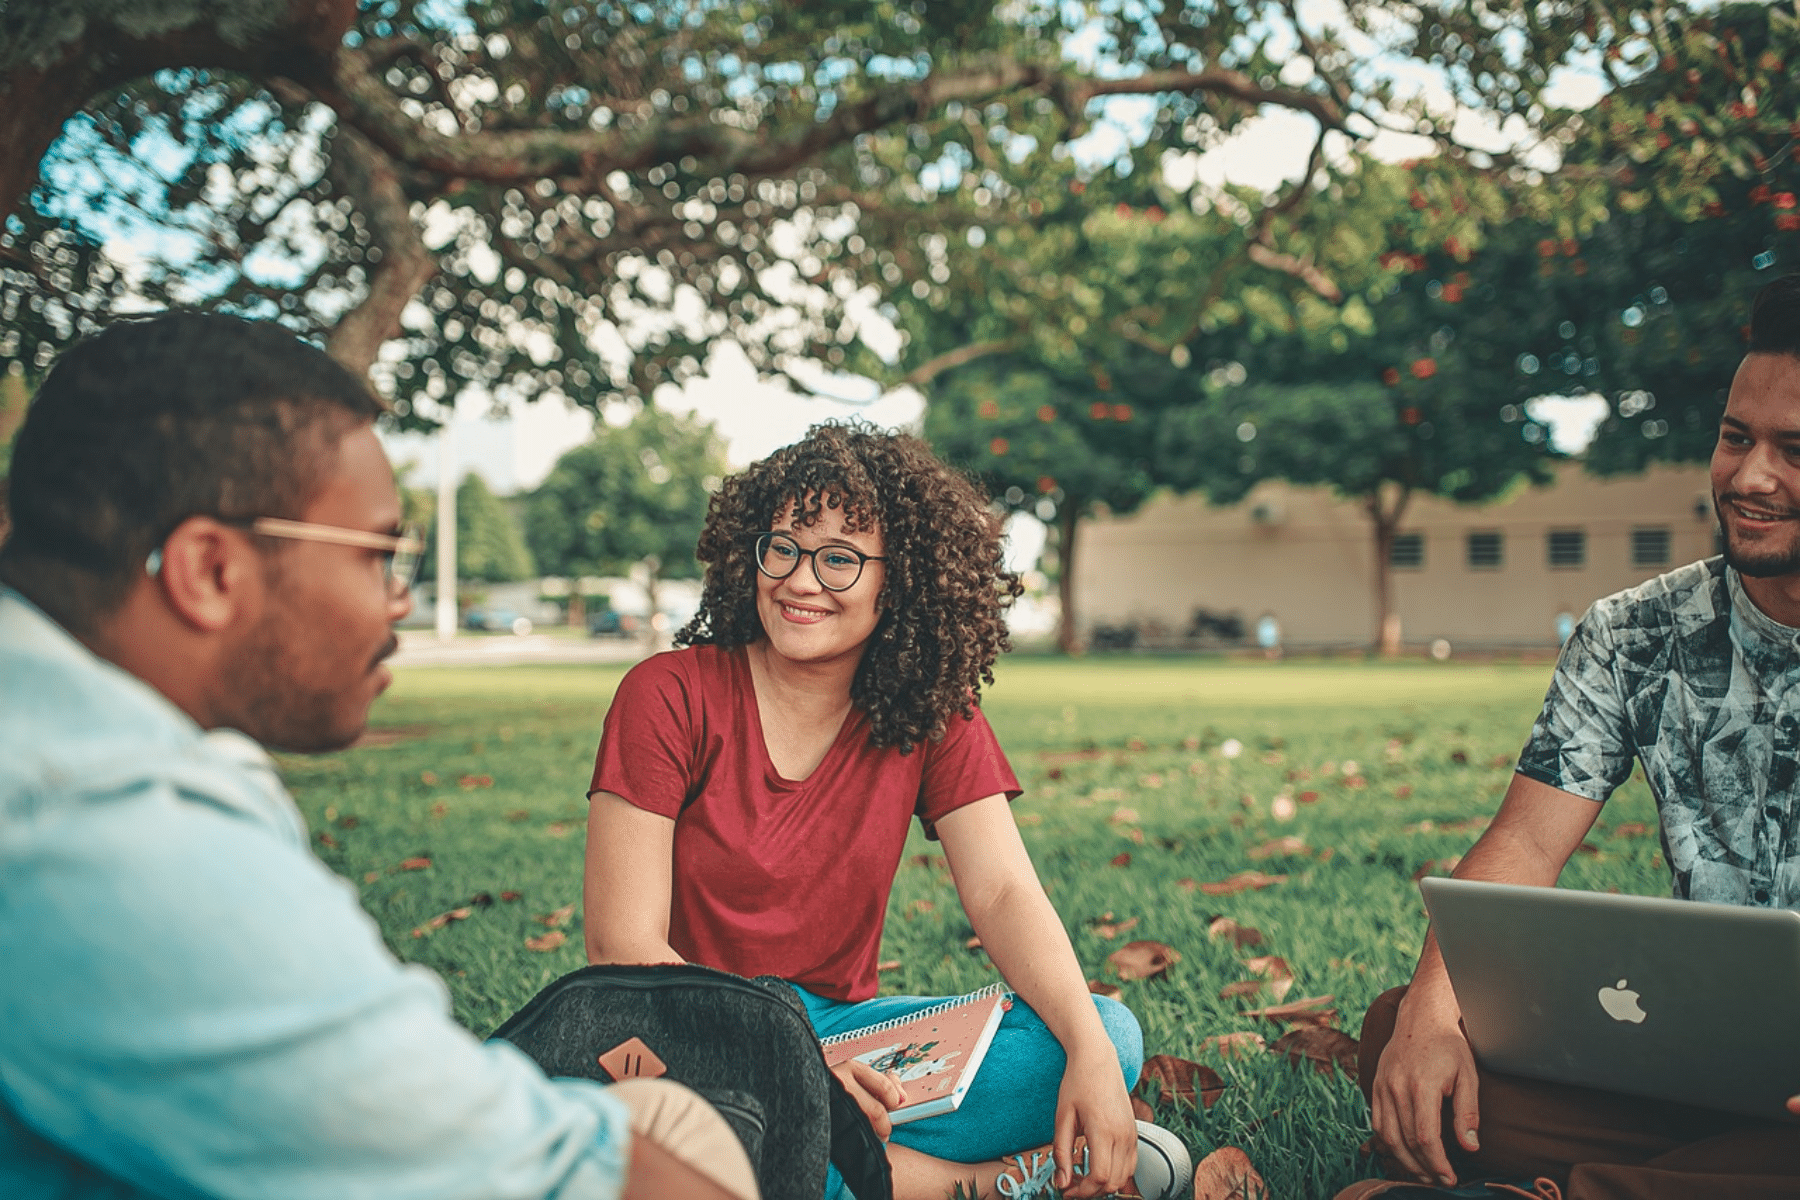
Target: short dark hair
[1775,318]
[153,421]
[943,604]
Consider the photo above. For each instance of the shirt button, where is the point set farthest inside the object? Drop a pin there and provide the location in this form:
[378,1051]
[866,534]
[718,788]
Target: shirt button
[1762,895]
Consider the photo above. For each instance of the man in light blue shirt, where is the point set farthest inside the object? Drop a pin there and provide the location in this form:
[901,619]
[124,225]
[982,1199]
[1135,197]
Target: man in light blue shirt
[205,559]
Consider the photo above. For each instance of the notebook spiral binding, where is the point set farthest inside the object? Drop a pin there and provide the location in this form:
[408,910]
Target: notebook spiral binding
[992,989]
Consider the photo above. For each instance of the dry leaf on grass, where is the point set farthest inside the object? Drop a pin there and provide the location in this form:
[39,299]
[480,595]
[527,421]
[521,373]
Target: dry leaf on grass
[1121,859]
[1235,1045]
[1276,971]
[1324,1048]
[1310,1010]
[1281,847]
[1244,987]
[558,918]
[1110,990]
[1107,927]
[888,964]
[1630,829]
[546,942]
[1240,935]
[509,896]
[420,863]
[1142,960]
[1180,1081]
[1142,1111]
[1227,1174]
[1309,797]
[1243,881]
[973,944]
[1123,816]
[443,919]
[1436,866]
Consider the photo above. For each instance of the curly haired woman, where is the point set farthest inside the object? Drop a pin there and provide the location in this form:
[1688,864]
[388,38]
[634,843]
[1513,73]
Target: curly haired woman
[753,792]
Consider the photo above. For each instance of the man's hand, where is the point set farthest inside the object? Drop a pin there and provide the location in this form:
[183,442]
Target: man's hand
[1092,1102]
[873,1092]
[1427,1060]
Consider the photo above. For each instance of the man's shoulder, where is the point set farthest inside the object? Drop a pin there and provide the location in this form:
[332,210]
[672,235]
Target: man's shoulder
[74,727]
[1682,601]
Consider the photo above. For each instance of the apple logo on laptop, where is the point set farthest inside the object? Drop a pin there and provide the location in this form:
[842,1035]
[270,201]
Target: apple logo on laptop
[1621,1004]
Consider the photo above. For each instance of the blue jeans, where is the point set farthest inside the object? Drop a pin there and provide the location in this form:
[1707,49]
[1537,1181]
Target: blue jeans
[1011,1105]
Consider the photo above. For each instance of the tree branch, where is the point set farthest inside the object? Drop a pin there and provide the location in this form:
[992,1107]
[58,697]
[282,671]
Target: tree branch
[930,369]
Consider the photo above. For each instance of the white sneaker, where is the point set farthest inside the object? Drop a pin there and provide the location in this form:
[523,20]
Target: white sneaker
[1164,1169]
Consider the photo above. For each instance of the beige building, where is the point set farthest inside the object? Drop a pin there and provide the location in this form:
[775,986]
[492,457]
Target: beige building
[1494,575]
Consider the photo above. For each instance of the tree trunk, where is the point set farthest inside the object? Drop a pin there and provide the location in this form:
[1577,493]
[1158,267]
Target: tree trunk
[53,63]
[1066,522]
[652,577]
[1385,517]
[577,607]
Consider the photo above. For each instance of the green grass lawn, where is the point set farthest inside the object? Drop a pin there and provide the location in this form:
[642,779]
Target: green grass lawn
[1379,769]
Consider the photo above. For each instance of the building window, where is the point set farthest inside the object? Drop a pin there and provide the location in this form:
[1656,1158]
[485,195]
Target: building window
[1487,551]
[1408,550]
[1649,547]
[1567,547]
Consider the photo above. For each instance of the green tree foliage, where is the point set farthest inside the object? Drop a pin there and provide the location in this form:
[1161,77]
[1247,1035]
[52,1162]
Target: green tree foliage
[490,546]
[506,187]
[634,494]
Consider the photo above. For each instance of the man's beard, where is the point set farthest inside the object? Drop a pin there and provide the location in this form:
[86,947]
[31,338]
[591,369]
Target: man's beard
[276,704]
[1763,564]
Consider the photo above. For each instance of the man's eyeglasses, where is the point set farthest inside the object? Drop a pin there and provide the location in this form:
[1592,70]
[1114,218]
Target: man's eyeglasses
[400,551]
[837,568]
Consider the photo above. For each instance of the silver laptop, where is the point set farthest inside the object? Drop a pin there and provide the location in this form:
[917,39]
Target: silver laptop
[1653,997]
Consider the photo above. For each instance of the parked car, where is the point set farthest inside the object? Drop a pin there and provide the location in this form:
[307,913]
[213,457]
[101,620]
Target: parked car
[604,622]
[497,620]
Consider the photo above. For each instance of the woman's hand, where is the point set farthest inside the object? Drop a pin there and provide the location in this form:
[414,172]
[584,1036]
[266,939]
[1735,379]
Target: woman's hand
[876,1094]
[1092,1102]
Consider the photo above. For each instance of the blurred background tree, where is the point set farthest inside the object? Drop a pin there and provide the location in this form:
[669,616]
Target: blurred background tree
[634,496]
[490,543]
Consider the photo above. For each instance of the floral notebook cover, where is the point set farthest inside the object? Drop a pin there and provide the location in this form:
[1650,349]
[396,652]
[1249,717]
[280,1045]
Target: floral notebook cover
[934,1054]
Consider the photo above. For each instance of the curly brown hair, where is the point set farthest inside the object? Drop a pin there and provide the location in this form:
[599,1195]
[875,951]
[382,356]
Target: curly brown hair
[941,625]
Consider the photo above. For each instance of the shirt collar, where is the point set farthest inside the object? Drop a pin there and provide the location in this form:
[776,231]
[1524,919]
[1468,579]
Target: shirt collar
[1768,643]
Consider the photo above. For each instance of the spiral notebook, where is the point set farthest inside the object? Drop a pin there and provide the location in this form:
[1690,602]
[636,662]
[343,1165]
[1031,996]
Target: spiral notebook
[934,1053]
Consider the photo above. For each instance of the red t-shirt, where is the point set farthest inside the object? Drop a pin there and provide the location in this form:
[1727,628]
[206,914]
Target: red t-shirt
[774,876]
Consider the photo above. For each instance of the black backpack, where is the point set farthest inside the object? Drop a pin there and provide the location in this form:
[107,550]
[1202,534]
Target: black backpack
[744,1044]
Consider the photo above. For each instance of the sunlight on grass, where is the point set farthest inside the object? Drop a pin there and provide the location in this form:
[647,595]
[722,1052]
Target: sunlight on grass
[1144,779]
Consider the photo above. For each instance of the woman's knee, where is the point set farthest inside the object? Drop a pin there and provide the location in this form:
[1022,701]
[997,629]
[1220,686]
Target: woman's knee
[1127,1036]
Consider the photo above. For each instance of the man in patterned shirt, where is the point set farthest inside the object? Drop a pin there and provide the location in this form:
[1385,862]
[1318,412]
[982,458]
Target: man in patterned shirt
[1695,675]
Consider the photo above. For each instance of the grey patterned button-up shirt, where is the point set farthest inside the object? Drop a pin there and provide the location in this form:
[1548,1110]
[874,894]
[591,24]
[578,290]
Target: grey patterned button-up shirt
[1687,675]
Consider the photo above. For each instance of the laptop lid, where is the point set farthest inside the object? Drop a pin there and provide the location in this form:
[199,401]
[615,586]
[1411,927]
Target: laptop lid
[1648,996]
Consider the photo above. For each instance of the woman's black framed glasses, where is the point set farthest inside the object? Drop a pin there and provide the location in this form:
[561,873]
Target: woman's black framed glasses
[837,568]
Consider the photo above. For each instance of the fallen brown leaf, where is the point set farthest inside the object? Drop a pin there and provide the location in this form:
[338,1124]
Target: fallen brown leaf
[420,863]
[974,943]
[371,876]
[1110,990]
[509,897]
[888,964]
[1123,816]
[1244,987]
[1240,935]
[469,782]
[1235,1045]
[1227,1174]
[1109,929]
[1121,859]
[1436,866]
[1281,847]
[1589,849]
[1142,960]
[443,919]
[558,829]
[558,918]
[545,942]
[920,906]
[325,839]
[1310,1010]
[1631,829]
[1186,885]
[1324,1048]
[1180,1081]
[1243,881]
[1276,971]
[1142,1111]
[1308,797]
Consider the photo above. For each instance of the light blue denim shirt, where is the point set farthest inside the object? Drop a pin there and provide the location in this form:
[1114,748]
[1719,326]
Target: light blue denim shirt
[192,1005]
